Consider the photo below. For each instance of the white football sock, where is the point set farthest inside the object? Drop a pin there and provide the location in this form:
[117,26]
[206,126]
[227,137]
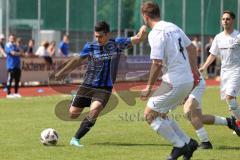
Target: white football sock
[233,106]
[179,131]
[236,113]
[163,128]
[220,120]
[202,135]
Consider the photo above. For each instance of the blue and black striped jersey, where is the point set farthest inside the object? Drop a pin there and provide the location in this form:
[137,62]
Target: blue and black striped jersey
[103,61]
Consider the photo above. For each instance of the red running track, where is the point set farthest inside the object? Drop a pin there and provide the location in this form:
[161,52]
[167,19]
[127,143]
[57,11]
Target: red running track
[56,90]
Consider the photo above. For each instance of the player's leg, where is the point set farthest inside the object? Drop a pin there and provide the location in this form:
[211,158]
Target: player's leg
[9,83]
[80,101]
[230,87]
[164,99]
[235,109]
[88,122]
[17,76]
[194,115]
[160,124]
[233,106]
[215,120]
[98,100]
[74,112]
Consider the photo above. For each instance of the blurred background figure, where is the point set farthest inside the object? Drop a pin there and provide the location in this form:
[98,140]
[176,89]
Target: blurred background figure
[51,49]
[20,46]
[197,43]
[42,49]
[2,44]
[29,49]
[63,49]
[13,66]
[42,52]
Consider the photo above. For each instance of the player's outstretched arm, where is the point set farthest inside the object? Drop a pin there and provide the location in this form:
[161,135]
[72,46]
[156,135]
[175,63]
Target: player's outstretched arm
[191,50]
[141,35]
[69,66]
[155,71]
[209,61]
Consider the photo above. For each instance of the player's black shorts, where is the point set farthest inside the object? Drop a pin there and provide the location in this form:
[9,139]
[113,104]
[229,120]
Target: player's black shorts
[86,95]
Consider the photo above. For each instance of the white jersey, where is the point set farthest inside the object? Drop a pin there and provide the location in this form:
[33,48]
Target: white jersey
[228,48]
[168,43]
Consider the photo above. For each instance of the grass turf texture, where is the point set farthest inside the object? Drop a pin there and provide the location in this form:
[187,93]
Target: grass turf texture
[119,135]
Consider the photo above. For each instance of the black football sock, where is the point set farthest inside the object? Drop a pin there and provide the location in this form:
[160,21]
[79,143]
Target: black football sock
[85,126]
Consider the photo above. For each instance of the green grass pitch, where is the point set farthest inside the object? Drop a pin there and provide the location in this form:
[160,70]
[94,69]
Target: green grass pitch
[119,135]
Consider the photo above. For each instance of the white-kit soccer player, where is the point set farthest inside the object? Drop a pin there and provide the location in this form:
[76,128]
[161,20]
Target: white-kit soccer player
[171,48]
[227,45]
[193,112]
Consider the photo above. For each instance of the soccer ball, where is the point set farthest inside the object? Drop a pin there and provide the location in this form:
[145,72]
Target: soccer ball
[49,136]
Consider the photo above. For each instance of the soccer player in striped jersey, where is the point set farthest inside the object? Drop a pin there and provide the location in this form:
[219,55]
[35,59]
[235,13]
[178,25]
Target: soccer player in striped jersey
[102,58]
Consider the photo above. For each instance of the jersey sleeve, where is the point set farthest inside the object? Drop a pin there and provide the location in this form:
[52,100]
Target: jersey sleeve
[123,43]
[157,44]
[86,50]
[9,48]
[214,48]
[186,41]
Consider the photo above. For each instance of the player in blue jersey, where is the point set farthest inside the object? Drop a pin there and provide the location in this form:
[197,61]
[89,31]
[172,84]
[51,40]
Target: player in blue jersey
[13,66]
[102,58]
[64,46]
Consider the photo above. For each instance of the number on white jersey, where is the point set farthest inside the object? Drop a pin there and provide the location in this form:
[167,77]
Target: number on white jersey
[181,49]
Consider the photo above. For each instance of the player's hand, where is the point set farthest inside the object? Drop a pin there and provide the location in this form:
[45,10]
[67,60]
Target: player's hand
[196,78]
[143,28]
[142,32]
[201,69]
[145,93]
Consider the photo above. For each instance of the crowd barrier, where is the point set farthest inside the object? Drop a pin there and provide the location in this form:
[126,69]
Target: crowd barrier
[36,70]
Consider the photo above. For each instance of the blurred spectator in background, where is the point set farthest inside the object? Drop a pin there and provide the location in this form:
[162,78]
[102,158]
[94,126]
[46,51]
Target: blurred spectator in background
[64,47]
[212,67]
[13,66]
[20,46]
[42,52]
[2,44]
[51,49]
[196,42]
[29,49]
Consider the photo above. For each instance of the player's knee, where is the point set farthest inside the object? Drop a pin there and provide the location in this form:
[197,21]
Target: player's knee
[156,123]
[188,115]
[149,117]
[73,114]
[232,104]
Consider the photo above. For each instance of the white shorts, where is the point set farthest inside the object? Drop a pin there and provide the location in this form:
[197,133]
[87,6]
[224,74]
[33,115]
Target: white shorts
[230,83]
[198,91]
[167,97]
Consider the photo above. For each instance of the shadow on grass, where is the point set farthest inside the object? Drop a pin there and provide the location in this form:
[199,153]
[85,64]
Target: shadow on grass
[58,145]
[128,144]
[228,148]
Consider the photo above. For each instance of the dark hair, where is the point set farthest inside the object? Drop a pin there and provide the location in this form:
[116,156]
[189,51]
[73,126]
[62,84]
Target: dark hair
[151,9]
[232,15]
[102,27]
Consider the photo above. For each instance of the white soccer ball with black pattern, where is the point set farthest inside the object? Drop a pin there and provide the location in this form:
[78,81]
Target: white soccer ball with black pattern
[49,136]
